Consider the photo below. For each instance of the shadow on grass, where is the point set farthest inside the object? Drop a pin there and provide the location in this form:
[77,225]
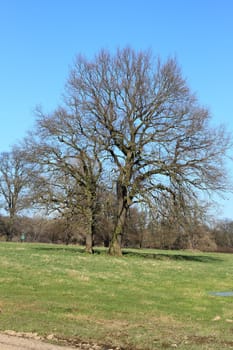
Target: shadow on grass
[134,253]
[181,257]
[68,249]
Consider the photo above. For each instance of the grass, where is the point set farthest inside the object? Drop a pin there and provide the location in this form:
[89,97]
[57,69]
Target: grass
[147,299]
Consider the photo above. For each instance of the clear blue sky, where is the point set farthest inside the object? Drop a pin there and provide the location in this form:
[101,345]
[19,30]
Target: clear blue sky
[40,38]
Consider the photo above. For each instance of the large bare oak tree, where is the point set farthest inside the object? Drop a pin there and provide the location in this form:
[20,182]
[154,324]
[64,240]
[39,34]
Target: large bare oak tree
[150,126]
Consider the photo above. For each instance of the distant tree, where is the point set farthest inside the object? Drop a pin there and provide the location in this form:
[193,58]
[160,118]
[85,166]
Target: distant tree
[155,135]
[3,228]
[223,234]
[14,185]
[136,233]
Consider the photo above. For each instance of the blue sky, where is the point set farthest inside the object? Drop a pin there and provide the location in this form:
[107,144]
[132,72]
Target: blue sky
[39,40]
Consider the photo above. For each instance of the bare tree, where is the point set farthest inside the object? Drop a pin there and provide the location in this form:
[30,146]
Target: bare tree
[14,185]
[157,136]
[223,234]
[70,169]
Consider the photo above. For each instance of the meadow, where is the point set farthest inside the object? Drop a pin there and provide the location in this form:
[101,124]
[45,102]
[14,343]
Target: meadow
[147,299]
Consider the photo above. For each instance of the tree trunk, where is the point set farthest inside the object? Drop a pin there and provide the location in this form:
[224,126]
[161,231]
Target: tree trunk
[115,245]
[10,231]
[90,230]
[89,243]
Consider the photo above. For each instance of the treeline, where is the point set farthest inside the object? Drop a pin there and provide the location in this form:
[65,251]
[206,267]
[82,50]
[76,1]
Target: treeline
[140,232]
[124,160]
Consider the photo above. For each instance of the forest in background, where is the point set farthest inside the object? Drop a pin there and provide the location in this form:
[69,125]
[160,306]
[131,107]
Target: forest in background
[139,232]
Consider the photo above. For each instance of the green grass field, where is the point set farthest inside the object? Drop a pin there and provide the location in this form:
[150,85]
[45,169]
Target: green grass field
[145,300]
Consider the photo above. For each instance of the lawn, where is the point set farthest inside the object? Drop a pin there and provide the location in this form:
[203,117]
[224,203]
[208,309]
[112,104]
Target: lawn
[146,299]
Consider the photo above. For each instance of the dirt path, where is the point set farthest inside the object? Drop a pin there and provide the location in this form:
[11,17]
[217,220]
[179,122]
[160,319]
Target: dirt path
[9,342]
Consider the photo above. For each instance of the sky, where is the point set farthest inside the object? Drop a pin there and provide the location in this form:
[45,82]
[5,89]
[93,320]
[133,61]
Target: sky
[39,40]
